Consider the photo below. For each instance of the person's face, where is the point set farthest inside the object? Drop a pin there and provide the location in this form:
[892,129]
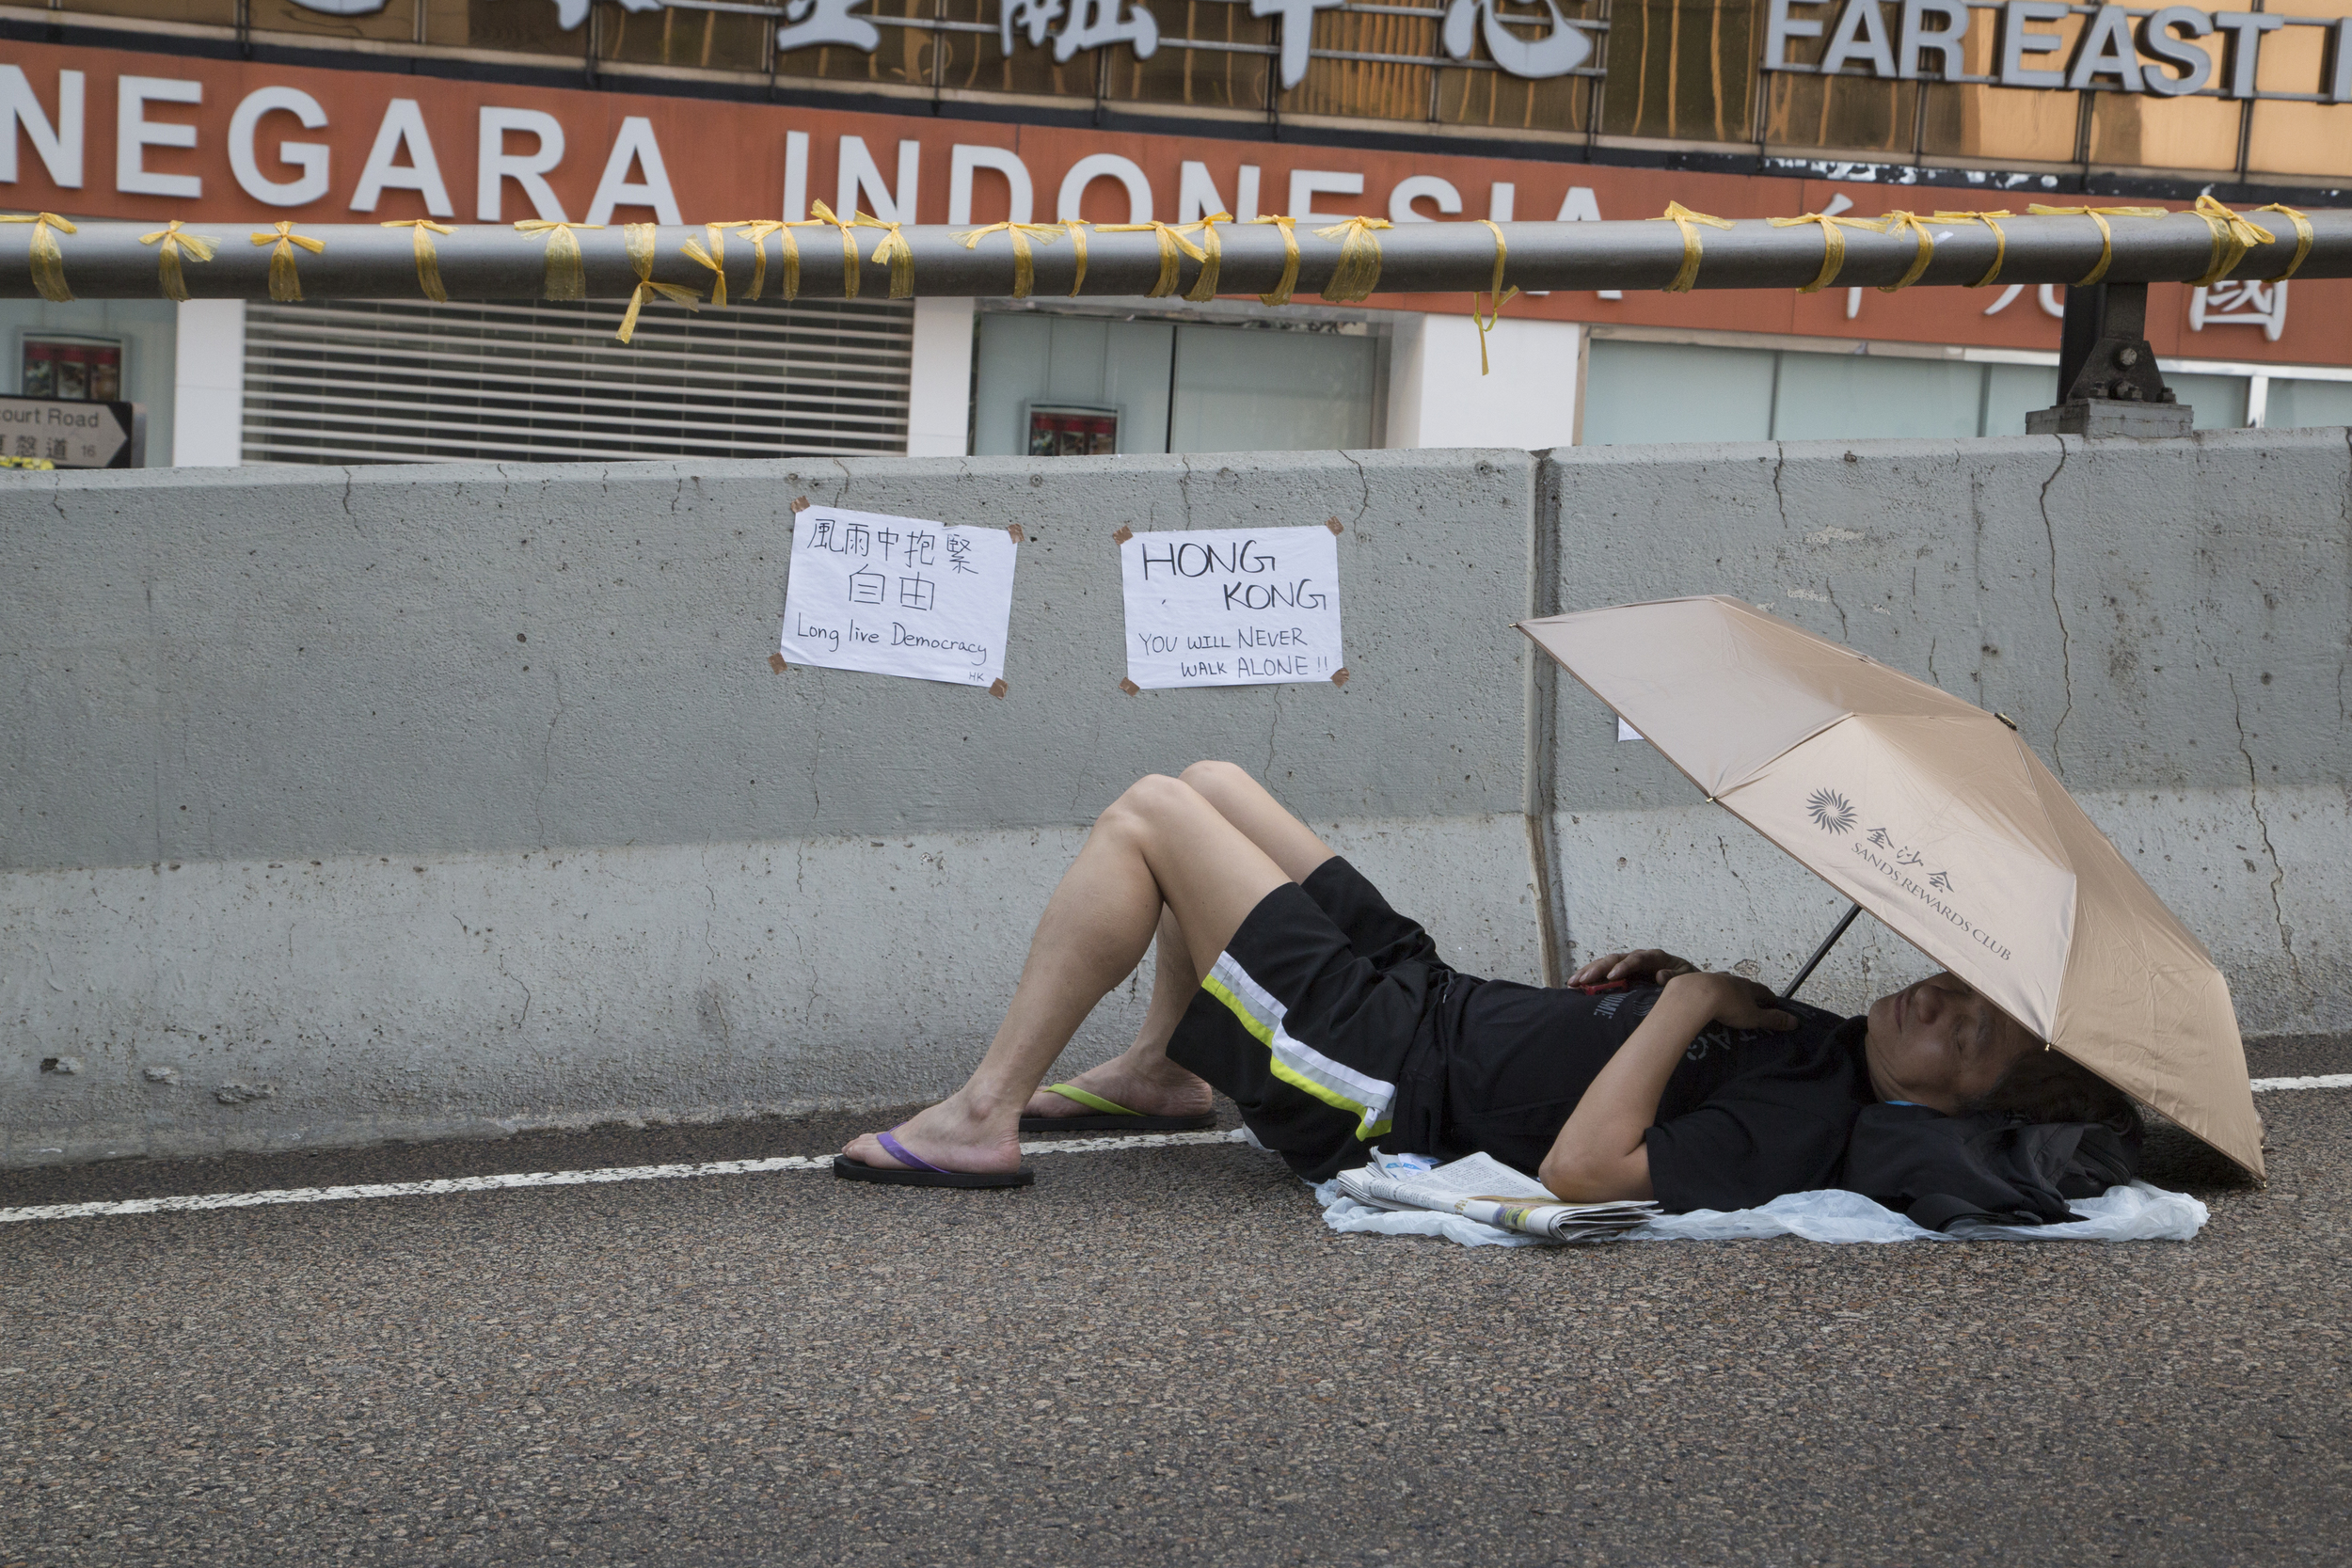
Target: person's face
[1940,1044]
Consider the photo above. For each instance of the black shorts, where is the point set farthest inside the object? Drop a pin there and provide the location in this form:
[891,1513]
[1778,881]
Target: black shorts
[1313,1015]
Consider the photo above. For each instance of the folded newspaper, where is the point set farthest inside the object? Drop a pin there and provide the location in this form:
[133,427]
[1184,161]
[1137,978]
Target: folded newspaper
[1483,1188]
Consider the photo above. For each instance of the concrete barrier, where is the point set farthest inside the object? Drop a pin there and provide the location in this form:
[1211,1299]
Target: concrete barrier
[413,802]
[2166,620]
[404,803]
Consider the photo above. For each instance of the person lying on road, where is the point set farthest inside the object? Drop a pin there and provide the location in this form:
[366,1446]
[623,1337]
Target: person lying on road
[1286,981]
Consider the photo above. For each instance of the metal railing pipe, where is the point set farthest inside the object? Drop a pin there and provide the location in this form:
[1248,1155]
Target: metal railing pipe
[108,261]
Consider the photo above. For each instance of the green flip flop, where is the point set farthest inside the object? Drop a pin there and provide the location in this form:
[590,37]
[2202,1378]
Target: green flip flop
[1109,1117]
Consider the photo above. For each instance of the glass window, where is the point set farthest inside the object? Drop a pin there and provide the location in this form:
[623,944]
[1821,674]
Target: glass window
[2218,400]
[1267,389]
[2299,138]
[1224,74]
[1031,361]
[1390,79]
[1835,396]
[396,22]
[1672,392]
[714,40]
[1683,69]
[2169,132]
[2028,123]
[517,26]
[2013,392]
[2307,404]
[1636,391]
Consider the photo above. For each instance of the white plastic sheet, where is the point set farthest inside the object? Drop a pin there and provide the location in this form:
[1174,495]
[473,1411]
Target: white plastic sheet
[2135,1213]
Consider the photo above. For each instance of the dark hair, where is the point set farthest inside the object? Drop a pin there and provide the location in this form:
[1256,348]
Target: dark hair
[2045,1086]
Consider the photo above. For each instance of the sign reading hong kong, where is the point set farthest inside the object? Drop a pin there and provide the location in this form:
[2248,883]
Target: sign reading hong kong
[2119,49]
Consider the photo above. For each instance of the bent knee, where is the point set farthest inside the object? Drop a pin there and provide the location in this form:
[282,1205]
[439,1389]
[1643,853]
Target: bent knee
[1149,798]
[1209,776]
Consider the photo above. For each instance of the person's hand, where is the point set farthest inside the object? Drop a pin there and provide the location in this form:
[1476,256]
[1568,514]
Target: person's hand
[1644,966]
[1735,1001]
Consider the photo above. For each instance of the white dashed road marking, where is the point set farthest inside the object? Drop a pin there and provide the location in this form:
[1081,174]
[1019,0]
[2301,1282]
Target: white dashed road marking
[542,1179]
[671,1173]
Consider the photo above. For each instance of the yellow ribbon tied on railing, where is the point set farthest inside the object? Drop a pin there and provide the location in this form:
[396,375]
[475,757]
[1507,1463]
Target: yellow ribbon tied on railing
[566,278]
[1024,260]
[1833,244]
[2232,237]
[895,251]
[2000,239]
[47,259]
[1359,272]
[1077,228]
[715,257]
[285,285]
[1685,223]
[2302,239]
[176,240]
[1282,294]
[1205,287]
[1889,223]
[756,230]
[2106,235]
[824,214]
[1173,247]
[639,238]
[1486,324]
[428,261]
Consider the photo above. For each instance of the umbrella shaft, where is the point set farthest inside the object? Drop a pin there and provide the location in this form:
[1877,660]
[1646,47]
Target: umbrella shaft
[1822,951]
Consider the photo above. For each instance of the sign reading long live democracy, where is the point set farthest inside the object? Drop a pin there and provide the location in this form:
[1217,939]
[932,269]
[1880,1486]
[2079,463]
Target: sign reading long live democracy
[899,596]
[1232,606]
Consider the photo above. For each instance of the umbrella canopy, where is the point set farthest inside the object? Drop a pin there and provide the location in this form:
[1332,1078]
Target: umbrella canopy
[1936,817]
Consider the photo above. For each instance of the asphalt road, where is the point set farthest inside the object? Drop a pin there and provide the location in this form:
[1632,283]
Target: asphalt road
[1154,1355]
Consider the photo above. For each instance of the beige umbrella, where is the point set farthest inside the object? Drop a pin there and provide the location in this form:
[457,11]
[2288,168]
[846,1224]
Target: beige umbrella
[1936,817]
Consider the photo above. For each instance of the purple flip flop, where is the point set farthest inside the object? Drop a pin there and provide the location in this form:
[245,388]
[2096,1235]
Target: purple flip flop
[920,1172]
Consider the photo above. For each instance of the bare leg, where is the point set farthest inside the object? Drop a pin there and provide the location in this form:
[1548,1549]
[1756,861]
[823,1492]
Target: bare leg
[1142,1077]
[1161,843]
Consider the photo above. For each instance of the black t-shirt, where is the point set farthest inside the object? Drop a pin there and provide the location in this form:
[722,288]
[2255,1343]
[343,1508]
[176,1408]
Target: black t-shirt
[1747,1115]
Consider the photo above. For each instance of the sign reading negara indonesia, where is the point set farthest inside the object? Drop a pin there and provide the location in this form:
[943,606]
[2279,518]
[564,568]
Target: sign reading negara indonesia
[899,596]
[1232,606]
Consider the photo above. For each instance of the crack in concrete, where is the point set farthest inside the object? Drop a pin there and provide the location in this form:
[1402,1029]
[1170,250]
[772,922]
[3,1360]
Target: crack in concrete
[2066,644]
[1184,485]
[2344,658]
[546,758]
[523,1017]
[1975,572]
[2261,824]
[351,476]
[841,497]
[816,763]
[1273,724]
[1363,478]
[1780,461]
[1933,679]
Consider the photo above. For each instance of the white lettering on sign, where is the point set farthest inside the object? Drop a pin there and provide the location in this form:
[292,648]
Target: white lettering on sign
[899,596]
[1232,606]
[2119,50]
[2240,302]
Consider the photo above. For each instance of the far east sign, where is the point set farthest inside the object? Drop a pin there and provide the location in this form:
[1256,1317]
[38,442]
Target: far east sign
[2119,50]
[69,435]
